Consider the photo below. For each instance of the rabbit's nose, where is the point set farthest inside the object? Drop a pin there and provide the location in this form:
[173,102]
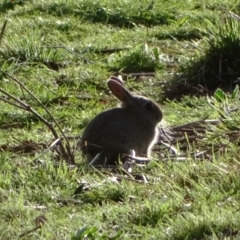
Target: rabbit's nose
[159,116]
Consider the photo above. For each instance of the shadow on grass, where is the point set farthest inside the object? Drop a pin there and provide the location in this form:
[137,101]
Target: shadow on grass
[98,13]
[216,65]
[10,5]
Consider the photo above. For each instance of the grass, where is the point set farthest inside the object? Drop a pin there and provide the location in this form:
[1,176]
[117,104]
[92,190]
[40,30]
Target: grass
[218,64]
[63,52]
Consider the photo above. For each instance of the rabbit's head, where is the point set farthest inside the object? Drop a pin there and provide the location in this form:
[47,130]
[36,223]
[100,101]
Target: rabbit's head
[142,105]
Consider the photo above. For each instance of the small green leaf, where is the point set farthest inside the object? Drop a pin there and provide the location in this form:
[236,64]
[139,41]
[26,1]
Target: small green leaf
[84,232]
[181,21]
[219,95]
[235,92]
[156,53]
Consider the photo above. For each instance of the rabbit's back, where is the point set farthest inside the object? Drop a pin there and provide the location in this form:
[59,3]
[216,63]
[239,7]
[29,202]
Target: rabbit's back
[116,132]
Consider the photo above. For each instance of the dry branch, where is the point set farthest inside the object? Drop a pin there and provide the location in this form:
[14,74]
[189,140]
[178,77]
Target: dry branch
[72,52]
[65,151]
[3,30]
[184,136]
[140,74]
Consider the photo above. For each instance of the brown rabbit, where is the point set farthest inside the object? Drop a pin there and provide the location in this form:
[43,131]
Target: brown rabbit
[113,133]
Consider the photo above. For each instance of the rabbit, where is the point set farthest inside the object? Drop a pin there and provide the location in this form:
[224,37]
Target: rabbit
[114,133]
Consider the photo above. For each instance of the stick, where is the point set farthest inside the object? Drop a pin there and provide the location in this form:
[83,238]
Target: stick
[67,155]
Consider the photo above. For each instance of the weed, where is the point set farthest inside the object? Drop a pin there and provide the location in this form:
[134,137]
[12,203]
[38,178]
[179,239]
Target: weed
[218,65]
[139,59]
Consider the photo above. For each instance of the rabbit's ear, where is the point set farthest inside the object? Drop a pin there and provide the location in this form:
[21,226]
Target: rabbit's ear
[119,90]
[118,79]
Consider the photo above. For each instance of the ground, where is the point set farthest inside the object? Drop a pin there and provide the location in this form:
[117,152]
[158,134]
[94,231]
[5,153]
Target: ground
[56,57]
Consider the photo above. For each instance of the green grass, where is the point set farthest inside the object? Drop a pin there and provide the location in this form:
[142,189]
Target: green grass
[218,64]
[56,49]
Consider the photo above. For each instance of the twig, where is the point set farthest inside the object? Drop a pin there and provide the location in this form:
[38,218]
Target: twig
[143,74]
[27,108]
[3,30]
[9,102]
[175,39]
[68,156]
[234,15]
[29,231]
[172,148]
[40,221]
[196,123]
[70,51]
[11,125]
[110,50]
[48,149]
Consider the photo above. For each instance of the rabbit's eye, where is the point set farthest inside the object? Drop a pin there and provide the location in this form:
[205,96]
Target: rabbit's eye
[148,106]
